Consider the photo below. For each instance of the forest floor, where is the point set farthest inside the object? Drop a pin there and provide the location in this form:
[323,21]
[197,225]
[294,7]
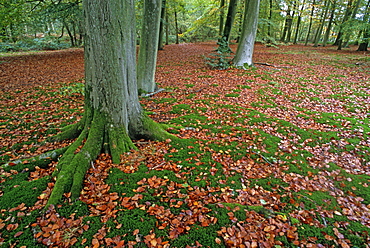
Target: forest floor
[272,156]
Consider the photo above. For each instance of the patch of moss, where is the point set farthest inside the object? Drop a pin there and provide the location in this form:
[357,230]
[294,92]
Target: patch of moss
[181,109]
[269,183]
[15,195]
[204,235]
[79,208]
[130,220]
[94,224]
[232,95]
[25,239]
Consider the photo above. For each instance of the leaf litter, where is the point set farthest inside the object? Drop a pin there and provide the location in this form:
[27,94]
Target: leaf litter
[272,156]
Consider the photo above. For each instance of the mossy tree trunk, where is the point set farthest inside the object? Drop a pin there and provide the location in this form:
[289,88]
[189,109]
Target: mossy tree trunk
[113,115]
[244,52]
[149,45]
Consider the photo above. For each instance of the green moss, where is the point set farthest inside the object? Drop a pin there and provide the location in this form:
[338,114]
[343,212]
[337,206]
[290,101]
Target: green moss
[204,235]
[94,224]
[181,109]
[30,164]
[269,183]
[25,239]
[131,220]
[232,95]
[15,194]
[79,208]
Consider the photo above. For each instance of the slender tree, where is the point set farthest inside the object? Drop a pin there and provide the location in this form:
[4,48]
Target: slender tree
[289,34]
[322,23]
[366,31]
[222,16]
[149,45]
[299,19]
[113,114]
[288,24]
[330,23]
[244,53]
[311,20]
[347,15]
[233,5]
[163,22]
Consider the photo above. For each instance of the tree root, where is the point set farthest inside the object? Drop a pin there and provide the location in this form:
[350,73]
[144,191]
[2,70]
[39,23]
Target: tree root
[41,161]
[69,132]
[97,134]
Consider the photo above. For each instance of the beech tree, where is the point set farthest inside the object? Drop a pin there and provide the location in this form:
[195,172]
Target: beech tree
[244,52]
[112,112]
[149,45]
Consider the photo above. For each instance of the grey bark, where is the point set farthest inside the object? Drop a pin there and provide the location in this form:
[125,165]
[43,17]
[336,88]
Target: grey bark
[244,53]
[149,45]
[110,63]
[162,24]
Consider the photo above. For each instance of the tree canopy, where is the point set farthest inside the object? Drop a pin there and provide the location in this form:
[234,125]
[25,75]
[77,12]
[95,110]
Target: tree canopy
[307,21]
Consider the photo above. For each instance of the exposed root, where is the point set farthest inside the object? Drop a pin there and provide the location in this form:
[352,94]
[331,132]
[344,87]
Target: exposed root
[69,132]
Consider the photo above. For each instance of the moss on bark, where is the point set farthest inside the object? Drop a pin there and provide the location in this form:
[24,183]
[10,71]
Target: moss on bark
[69,132]
[155,131]
[119,143]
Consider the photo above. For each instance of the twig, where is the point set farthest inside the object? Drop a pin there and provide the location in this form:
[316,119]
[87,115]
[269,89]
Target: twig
[153,93]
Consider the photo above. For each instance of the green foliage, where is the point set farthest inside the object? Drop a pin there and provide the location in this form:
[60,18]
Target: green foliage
[74,88]
[222,58]
[37,44]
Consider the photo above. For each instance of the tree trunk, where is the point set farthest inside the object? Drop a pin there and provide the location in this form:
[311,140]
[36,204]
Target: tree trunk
[149,45]
[113,114]
[167,27]
[270,20]
[176,28]
[222,16]
[319,30]
[331,19]
[69,33]
[366,32]
[310,25]
[338,42]
[230,19]
[353,16]
[161,26]
[299,19]
[244,53]
[288,23]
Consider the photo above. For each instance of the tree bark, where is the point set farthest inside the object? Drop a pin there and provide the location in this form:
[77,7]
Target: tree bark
[311,20]
[319,30]
[299,19]
[244,53]
[222,16]
[339,40]
[270,20]
[176,27]
[161,26]
[230,19]
[366,32]
[331,19]
[113,114]
[149,45]
[289,34]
